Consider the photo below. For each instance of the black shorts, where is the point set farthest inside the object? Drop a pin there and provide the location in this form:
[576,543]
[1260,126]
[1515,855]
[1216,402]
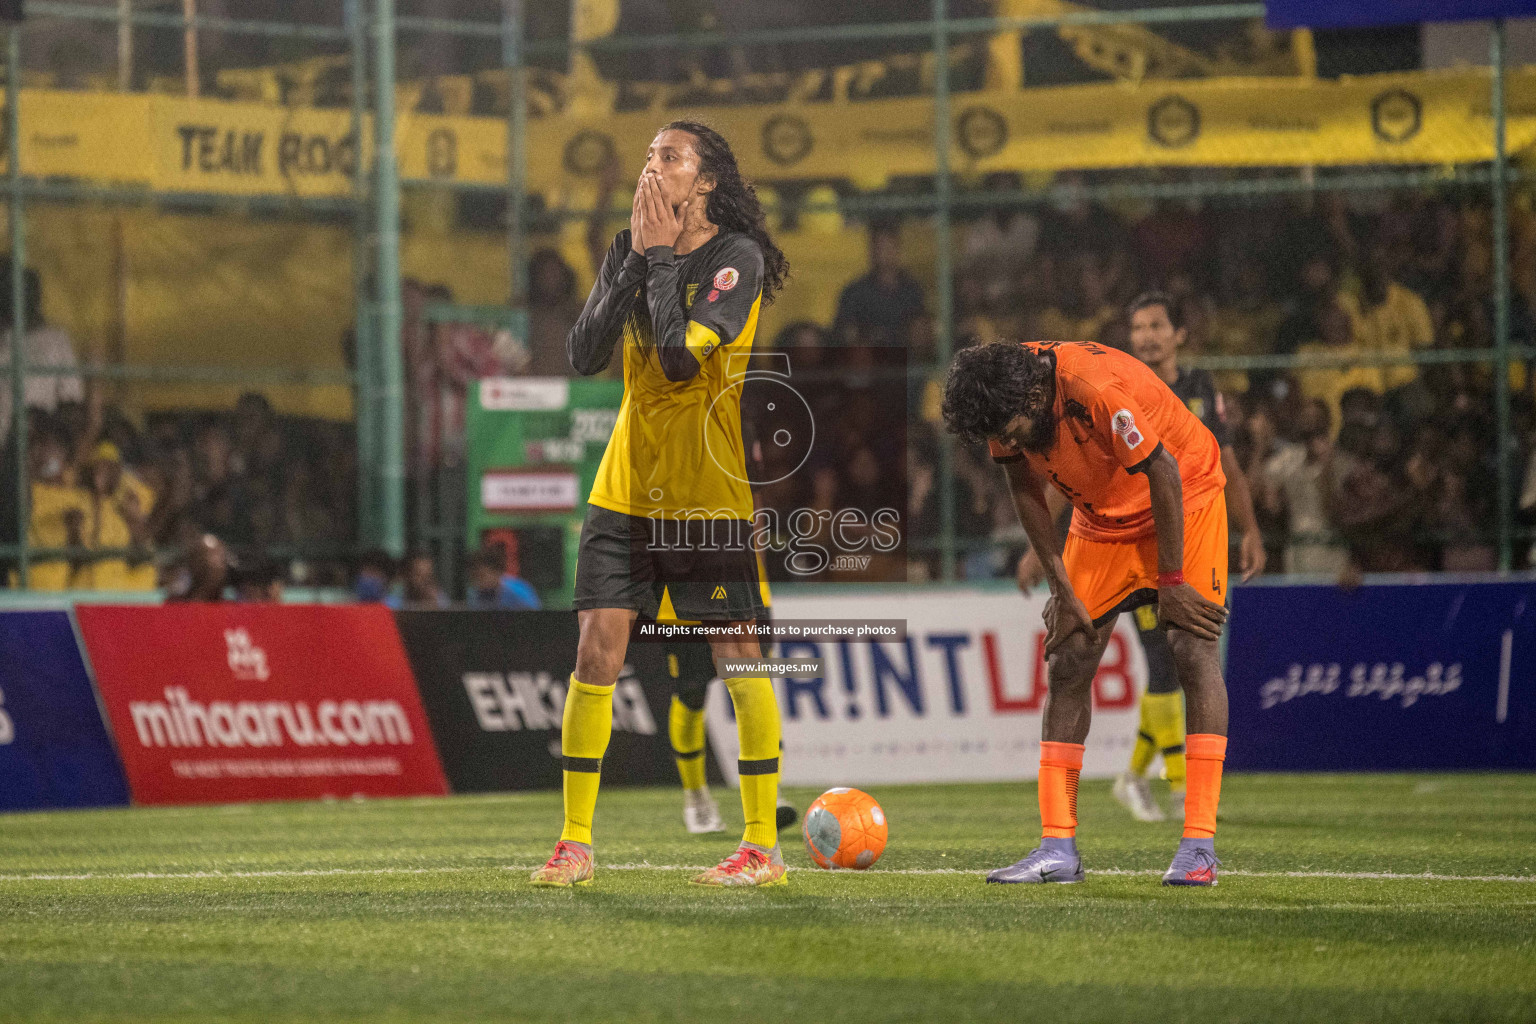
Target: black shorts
[707,567]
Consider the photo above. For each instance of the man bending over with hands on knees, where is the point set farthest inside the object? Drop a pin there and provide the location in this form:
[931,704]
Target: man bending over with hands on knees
[1149,526]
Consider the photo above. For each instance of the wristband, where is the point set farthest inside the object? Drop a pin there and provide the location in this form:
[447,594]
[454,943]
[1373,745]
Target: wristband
[1171,579]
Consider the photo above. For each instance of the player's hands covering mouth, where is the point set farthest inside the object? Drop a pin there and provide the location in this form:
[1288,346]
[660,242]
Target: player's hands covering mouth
[652,221]
[1186,608]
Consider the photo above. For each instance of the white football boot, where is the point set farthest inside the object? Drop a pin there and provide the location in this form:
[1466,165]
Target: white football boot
[1133,793]
[700,813]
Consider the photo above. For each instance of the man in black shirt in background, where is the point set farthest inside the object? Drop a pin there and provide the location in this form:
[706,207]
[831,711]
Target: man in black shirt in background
[878,308]
[1157,333]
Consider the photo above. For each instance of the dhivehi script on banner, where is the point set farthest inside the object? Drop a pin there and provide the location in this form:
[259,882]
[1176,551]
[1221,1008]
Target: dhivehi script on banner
[173,143]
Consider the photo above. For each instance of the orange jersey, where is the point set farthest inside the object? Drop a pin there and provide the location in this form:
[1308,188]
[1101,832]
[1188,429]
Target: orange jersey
[1113,413]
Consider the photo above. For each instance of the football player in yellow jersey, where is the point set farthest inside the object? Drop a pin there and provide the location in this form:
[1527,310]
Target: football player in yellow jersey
[670,512]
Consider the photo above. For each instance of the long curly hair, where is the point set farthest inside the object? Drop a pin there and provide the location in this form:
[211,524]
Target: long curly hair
[733,203]
[988,385]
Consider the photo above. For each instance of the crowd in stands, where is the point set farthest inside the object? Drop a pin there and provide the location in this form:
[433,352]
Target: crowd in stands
[112,502]
[1362,460]
[1371,457]
[1361,464]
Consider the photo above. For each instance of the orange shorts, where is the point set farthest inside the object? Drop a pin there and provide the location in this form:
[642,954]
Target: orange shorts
[1110,578]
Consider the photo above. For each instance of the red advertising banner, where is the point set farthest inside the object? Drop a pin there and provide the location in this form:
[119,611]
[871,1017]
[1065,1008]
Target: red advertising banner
[232,702]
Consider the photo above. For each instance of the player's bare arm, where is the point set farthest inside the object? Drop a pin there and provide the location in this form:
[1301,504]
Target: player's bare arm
[1064,613]
[1251,555]
[1179,606]
[1029,572]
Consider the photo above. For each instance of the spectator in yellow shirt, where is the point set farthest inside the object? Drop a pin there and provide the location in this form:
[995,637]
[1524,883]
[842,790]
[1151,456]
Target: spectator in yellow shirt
[116,518]
[57,507]
[1388,317]
[1328,383]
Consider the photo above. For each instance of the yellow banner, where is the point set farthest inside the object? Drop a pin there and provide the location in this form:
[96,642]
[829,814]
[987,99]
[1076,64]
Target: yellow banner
[1419,118]
[175,144]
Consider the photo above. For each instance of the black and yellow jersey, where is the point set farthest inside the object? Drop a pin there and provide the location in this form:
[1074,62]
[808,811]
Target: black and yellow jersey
[687,323]
[1197,391]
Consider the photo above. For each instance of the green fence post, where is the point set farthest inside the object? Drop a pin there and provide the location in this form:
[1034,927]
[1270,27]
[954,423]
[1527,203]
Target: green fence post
[517,161]
[364,403]
[386,209]
[944,316]
[18,300]
[1504,447]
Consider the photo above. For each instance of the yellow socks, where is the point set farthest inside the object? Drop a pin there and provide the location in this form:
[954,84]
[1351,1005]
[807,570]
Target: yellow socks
[1146,746]
[686,727]
[585,729]
[757,725]
[1162,717]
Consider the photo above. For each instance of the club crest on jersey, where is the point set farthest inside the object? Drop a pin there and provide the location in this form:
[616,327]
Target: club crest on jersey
[1124,426]
[726,279]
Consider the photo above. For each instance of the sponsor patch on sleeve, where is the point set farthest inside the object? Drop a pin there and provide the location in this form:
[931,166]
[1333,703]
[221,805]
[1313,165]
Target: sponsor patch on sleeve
[726,279]
[1124,426]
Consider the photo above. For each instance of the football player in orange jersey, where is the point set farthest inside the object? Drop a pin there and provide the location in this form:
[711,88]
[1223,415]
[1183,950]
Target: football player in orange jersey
[1149,526]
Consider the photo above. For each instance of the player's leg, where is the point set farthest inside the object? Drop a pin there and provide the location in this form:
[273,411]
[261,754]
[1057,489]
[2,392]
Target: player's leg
[692,667]
[586,726]
[1198,664]
[757,860]
[1161,729]
[712,578]
[1068,711]
[612,587]
[786,813]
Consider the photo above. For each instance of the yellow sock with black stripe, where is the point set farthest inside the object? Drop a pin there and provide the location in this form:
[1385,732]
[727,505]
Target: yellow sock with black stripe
[757,725]
[1162,716]
[1146,744]
[686,727]
[584,732]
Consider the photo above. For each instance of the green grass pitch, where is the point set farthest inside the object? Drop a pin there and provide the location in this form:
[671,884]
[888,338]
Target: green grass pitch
[419,910]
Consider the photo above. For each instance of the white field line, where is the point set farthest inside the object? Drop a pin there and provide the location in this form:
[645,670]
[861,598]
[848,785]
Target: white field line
[1382,876]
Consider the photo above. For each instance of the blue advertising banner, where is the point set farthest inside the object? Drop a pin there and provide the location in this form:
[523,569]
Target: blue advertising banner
[54,750]
[1402,677]
[1363,13]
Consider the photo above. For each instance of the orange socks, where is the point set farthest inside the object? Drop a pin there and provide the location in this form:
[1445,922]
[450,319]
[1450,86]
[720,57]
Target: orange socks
[1204,753]
[1060,765]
